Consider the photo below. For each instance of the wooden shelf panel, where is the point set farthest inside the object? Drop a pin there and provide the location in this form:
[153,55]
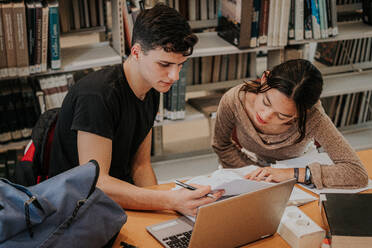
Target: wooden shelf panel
[326,70]
[360,139]
[191,115]
[89,56]
[203,23]
[14,145]
[346,31]
[98,29]
[83,57]
[211,44]
[347,83]
[215,85]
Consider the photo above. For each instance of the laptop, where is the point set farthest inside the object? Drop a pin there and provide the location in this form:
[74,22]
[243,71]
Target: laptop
[230,222]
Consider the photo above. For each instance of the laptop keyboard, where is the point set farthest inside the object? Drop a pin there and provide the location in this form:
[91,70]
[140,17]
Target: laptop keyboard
[179,240]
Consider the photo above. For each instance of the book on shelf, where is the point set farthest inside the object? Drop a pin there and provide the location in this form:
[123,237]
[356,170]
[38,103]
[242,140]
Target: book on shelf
[235,22]
[316,18]
[348,219]
[54,43]
[20,38]
[344,52]
[66,15]
[38,36]
[255,23]
[308,20]
[3,57]
[76,14]
[299,19]
[9,31]
[44,38]
[263,22]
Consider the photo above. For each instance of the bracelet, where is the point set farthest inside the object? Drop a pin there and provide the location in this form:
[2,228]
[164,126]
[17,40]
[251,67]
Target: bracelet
[295,173]
[307,176]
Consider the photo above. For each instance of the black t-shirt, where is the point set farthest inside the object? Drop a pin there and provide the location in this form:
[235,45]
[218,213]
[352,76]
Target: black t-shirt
[103,103]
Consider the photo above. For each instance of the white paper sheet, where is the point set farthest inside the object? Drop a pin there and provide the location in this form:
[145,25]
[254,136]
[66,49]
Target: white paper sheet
[331,190]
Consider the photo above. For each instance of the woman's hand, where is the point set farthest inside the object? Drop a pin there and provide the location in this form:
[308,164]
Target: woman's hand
[269,174]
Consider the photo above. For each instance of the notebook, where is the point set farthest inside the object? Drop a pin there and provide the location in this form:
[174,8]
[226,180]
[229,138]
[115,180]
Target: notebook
[230,222]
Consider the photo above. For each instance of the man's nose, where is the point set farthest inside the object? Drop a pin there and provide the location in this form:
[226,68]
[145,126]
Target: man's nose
[174,73]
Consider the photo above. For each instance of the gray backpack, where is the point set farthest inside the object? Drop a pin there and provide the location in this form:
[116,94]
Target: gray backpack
[64,211]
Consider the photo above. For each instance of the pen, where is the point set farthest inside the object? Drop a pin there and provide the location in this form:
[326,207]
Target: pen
[187,186]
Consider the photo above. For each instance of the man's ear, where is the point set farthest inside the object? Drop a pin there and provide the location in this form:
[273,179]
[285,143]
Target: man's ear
[136,50]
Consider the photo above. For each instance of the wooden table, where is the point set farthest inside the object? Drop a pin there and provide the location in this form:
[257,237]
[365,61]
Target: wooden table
[134,231]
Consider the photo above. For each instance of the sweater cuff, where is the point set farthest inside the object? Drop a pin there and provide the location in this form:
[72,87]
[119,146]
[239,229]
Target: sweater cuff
[316,175]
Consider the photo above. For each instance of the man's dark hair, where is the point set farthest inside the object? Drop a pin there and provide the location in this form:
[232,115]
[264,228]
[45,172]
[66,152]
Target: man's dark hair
[299,80]
[162,26]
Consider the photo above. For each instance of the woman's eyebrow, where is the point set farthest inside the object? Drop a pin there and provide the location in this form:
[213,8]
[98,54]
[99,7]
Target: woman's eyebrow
[268,99]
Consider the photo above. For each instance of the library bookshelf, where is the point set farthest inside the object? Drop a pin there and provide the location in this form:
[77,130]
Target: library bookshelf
[338,80]
[79,54]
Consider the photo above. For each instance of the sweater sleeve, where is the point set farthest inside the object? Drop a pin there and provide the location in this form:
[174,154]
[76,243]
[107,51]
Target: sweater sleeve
[228,153]
[347,170]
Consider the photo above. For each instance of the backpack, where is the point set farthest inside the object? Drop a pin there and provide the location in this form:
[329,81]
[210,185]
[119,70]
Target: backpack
[66,210]
[34,166]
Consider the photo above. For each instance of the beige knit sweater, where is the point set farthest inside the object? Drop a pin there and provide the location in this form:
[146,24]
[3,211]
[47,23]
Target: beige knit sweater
[346,172]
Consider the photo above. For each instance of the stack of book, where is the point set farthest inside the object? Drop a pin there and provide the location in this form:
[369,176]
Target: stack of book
[29,37]
[84,14]
[344,52]
[53,90]
[349,109]
[19,109]
[211,69]
[253,23]
[348,219]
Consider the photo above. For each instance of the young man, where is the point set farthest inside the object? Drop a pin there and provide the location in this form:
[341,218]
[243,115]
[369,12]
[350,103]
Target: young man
[108,116]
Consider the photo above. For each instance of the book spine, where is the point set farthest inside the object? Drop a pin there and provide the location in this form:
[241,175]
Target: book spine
[316,20]
[101,19]
[334,17]
[321,17]
[38,36]
[283,35]
[93,13]
[55,50]
[181,101]
[255,23]
[329,17]
[307,19]
[299,20]
[30,14]
[291,26]
[9,39]
[245,24]
[277,18]
[264,21]
[3,59]
[325,19]
[44,39]
[76,10]
[86,14]
[19,22]
[271,23]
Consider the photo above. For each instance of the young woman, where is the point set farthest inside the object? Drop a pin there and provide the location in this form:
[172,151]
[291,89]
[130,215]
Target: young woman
[275,118]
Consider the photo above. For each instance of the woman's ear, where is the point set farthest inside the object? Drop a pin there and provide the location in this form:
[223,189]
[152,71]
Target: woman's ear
[264,76]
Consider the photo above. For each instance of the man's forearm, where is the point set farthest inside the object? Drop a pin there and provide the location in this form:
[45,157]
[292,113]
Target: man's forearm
[144,175]
[132,197]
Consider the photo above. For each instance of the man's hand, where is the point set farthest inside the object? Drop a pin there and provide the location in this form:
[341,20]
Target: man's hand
[187,201]
[269,174]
